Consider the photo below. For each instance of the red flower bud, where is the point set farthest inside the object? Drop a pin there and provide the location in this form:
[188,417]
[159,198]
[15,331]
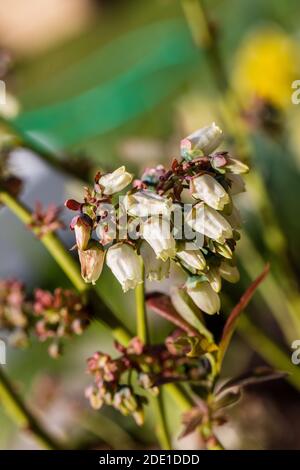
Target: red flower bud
[72,204]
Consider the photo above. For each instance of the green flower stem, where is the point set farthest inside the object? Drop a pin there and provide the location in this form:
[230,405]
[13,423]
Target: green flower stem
[161,423]
[141,315]
[143,333]
[50,240]
[22,416]
[182,400]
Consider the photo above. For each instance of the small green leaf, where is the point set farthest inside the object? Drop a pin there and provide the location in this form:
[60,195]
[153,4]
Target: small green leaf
[194,346]
[192,281]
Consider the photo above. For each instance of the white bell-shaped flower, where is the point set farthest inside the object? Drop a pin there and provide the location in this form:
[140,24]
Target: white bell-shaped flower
[155,268]
[125,264]
[228,272]
[207,188]
[114,182]
[214,278]
[146,203]
[205,297]
[157,232]
[209,222]
[192,257]
[207,139]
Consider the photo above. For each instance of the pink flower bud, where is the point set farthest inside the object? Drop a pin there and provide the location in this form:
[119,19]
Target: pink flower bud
[81,224]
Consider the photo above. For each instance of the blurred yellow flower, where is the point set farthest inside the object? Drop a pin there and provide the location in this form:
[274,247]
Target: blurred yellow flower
[265,66]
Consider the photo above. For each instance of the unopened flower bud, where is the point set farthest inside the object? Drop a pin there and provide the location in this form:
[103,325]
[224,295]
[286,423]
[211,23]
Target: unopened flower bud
[192,258]
[229,273]
[207,139]
[125,401]
[214,278]
[146,203]
[155,269]
[114,182]
[91,261]
[209,222]
[207,188]
[187,309]
[156,231]
[236,166]
[72,204]
[139,416]
[92,393]
[81,224]
[54,350]
[205,297]
[224,250]
[125,264]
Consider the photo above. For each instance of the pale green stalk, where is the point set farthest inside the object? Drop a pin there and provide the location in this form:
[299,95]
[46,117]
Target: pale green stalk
[143,333]
[22,416]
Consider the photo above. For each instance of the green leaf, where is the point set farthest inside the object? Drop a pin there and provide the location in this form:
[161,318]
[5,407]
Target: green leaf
[155,74]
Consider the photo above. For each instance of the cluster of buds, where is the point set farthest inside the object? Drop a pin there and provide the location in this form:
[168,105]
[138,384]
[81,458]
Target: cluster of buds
[48,316]
[13,312]
[154,365]
[45,221]
[59,315]
[108,389]
[185,214]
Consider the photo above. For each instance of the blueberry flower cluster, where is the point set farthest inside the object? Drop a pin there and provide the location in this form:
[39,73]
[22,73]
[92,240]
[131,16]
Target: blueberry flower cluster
[185,214]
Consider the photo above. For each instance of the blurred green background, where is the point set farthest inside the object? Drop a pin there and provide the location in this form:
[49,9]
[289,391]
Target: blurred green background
[123,81]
